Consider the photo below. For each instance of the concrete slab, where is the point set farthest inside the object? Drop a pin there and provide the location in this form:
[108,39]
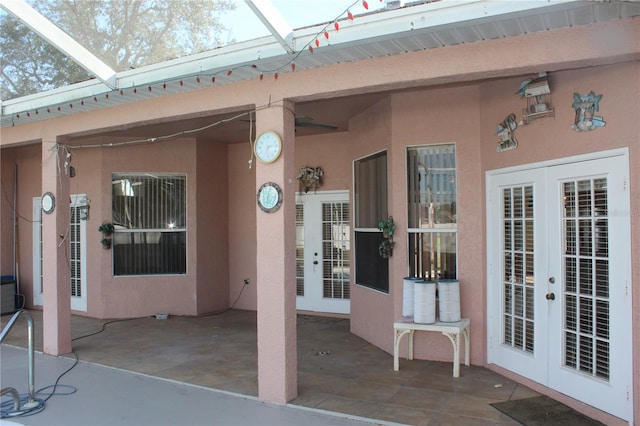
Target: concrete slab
[108,396]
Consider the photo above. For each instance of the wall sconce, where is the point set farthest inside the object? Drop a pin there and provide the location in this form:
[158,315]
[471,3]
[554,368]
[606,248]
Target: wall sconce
[310,177]
[83,208]
[83,212]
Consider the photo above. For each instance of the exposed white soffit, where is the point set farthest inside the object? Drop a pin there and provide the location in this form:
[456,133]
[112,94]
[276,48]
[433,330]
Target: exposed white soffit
[375,34]
[275,23]
[60,40]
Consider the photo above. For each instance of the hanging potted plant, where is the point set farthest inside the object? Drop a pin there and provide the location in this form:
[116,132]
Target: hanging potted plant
[107,229]
[387,227]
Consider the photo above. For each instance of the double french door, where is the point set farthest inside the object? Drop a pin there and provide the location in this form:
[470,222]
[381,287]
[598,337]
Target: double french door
[323,252]
[559,278]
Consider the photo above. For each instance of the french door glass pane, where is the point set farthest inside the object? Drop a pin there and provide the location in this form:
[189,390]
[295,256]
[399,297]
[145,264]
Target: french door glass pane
[299,250]
[586,277]
[518,268]
[75,259]
[335,250]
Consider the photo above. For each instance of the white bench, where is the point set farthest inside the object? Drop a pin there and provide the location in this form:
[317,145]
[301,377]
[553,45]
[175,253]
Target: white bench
[452,330]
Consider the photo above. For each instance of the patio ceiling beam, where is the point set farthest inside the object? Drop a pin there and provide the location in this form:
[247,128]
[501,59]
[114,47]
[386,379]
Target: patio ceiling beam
[275,23]
[60,40]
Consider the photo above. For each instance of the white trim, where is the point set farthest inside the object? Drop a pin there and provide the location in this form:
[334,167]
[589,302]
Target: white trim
[556,162]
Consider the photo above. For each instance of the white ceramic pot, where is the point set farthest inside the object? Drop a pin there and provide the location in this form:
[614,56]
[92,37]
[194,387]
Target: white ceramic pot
[424,303]
[449,300]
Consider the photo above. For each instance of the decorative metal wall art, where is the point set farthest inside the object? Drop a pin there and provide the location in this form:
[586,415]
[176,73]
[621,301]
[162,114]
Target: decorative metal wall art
[586,106]
[505,131]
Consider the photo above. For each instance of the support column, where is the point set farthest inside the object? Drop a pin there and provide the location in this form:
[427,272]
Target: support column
[277,340]
[56,276]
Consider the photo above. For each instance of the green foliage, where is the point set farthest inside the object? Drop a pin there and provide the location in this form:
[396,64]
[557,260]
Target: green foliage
[387,226]
[106,228]
[122,33]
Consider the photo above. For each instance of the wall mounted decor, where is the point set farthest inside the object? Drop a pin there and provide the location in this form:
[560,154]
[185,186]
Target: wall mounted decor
[505,131]
[269,197]
[586,107]
[310,177]
[268,147]
[538,95]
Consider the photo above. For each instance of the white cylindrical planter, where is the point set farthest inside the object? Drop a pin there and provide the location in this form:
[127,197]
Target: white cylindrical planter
[408,290]
[424,302]
[449,300]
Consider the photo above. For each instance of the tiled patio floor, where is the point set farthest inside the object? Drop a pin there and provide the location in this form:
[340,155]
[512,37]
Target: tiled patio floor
[337,371]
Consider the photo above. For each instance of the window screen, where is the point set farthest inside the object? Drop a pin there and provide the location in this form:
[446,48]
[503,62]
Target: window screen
[370,188]
[149,216]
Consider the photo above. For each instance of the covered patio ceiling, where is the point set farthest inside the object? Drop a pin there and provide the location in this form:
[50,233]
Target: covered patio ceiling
[415,26]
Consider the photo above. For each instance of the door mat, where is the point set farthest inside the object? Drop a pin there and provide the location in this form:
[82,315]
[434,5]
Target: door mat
[542,410]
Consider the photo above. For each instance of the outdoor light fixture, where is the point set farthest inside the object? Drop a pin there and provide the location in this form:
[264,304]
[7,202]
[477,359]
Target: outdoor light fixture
[310,177]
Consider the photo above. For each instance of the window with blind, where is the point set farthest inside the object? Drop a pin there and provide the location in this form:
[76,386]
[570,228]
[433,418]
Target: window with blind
[432,224]
[370,189]
[149,216]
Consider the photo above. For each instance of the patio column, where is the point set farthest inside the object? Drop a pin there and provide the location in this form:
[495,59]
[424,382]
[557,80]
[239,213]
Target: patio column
[275,264]
[56,276]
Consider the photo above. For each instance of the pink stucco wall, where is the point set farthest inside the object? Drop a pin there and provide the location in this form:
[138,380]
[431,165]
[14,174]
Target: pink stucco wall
[27,160]
[7,167]
[212,217]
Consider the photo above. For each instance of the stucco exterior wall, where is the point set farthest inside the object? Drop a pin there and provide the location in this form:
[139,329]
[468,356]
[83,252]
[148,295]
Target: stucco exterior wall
[27,160]
[212,217]
[123,296]
[242,227]
[7,167]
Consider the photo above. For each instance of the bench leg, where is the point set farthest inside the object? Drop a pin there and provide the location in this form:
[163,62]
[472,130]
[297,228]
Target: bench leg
[396,347]
[455,341]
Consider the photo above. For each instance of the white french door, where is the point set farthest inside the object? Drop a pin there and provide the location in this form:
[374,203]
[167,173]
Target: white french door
[323,252]
[77,236]
[559,278]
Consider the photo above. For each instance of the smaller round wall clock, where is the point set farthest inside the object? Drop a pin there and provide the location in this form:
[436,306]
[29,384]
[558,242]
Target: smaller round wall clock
[268,147]
[270,197]
[48,203]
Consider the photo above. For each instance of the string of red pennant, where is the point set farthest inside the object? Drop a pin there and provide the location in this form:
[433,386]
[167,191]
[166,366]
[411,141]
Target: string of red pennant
[315,41]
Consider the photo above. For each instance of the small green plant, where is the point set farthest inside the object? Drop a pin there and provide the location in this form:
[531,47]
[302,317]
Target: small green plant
[106,243]
[388,226]
[106,228]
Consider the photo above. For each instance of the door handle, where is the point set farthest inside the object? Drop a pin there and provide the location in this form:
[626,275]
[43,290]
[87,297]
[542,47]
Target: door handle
[550,296]
[552,280]
[315,262]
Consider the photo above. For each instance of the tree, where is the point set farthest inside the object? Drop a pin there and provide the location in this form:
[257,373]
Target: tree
[122,33]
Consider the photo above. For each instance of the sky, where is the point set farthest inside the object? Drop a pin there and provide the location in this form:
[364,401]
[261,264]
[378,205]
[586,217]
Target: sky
[298,13]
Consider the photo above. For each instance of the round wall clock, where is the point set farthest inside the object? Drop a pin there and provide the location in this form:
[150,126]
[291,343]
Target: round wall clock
[48,202]
[270,197]
[268,147]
